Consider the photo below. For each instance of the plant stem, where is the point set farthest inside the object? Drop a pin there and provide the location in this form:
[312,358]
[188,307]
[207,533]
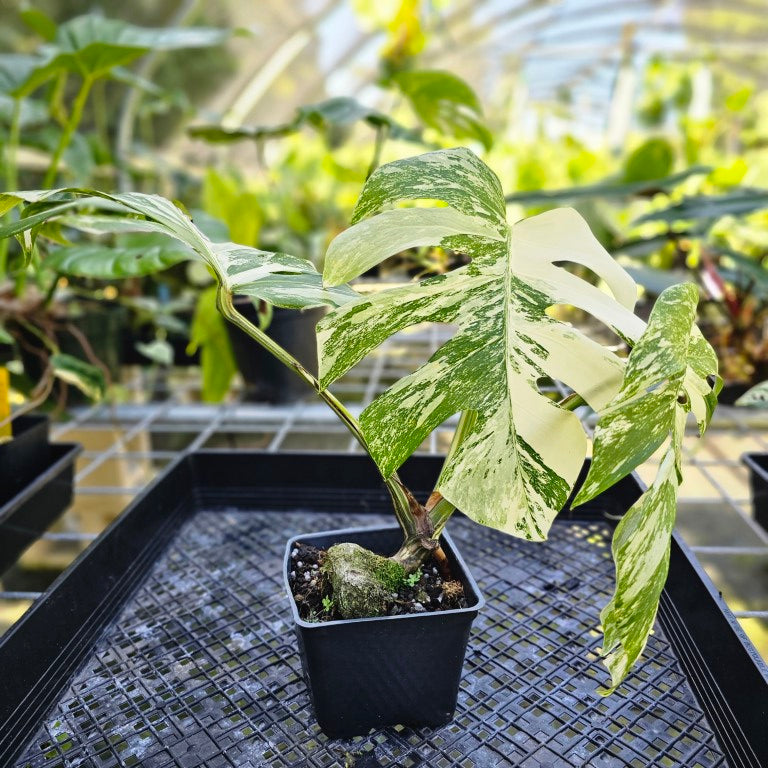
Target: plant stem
[73,121]
[572,402]
[11,173]
[401,497]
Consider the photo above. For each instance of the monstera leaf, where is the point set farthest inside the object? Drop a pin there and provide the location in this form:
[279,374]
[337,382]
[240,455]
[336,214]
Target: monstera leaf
[283,280]
[665,378]
[517,466]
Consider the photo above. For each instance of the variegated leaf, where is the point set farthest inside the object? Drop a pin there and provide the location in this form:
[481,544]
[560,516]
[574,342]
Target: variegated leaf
[509,472]
[670,363]
[665,379]
[284,280]
[640,549]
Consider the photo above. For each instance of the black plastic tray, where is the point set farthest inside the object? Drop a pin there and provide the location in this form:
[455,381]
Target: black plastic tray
[34,507]
[169,641]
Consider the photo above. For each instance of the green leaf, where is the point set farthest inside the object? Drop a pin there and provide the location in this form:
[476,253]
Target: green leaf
[640,550]
[508,473]
[337,112]
[5,337]
[105,262]
[39,22]
[606,188]
[15,70]
[757,397]
[158,351]
[665,378]
[446,103]
[209,333]
[284,280]
[86,377]
[372,240]
[456,177]
[653,159]
[671,360]
[696,207]
[92,46]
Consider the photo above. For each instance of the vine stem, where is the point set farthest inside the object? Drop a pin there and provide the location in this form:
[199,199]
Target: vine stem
[402,499]
[75,116]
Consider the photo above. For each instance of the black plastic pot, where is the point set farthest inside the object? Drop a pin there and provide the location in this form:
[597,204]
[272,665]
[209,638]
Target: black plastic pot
[265,377]
[24,457]
[36,479]
[389,670]
[757,463]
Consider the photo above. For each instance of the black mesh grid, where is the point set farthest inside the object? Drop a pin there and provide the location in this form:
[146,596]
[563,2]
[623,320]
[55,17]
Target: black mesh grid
[200,668]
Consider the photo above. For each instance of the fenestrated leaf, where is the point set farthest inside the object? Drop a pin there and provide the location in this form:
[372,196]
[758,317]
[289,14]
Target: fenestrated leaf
[86,377]
[671,360]
[106,262]
[284,280]
[757,397]
[508,473]
[363,246]
[665,378]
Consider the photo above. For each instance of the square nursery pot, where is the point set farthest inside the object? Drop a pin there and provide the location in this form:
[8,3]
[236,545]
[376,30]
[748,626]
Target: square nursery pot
[757,463]
[36,479]
[388,670]
[170,641]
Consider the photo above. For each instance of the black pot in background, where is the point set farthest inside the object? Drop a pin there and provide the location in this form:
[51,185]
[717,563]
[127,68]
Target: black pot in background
[36,481]
[757,463]
[146,333]
[265,377]
[24,457]
[732,391]
[388,670]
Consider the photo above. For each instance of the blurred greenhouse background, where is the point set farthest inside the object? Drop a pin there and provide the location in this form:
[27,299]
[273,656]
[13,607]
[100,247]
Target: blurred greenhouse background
[263,120]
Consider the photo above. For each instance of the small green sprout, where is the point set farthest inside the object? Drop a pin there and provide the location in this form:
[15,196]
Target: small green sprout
[414,578]
[327,604]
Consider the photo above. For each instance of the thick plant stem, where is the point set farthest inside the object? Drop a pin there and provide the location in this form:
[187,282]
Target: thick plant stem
[413,552]
[75,116]
[401,498]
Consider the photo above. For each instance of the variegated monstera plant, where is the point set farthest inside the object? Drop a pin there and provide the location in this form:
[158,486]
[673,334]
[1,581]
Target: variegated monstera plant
[516,454]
